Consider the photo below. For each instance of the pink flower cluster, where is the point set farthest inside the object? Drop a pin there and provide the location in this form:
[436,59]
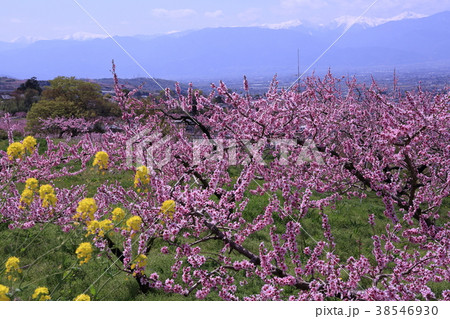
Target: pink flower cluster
[392,145]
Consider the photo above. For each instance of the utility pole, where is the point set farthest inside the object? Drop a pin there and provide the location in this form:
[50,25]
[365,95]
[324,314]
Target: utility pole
[298,70]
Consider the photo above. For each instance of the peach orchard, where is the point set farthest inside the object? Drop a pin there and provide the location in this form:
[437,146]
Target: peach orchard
[306,149]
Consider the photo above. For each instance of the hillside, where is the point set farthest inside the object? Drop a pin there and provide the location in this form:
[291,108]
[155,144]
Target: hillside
[145,85]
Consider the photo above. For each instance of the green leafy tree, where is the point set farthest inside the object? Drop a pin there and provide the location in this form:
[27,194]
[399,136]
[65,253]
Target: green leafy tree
[32,84]
[28,93]
[30,96]
[69,97]
[50,109]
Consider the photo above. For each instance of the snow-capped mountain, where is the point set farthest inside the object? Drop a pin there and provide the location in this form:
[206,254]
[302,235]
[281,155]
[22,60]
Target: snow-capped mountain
[407,41]
[347,21]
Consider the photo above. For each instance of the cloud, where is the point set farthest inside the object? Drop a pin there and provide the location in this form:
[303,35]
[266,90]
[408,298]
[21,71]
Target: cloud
[251,14]
[214,14]
[15,20]
[312,4]
[412,4]
[173,14]
[352,7]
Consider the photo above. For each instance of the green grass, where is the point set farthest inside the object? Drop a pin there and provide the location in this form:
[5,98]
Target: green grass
[48,258]
[48,254]
[92,180]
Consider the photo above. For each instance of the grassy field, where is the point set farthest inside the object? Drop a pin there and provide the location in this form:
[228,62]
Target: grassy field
[48,254]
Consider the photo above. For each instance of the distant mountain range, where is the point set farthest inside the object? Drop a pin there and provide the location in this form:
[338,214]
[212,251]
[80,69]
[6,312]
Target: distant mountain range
[409,43]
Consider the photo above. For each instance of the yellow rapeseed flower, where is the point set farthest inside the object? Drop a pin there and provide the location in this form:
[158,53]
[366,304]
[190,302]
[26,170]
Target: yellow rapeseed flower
[12,264]
[84,252]
[12,267]
[141,177]
[118,214]
[47,194]
[15,150]
[106,225]
[134,223]
[27,196]
[101,160]
[93,226]
[41,293]
[168,208]
[141,262]
[32,183]
[3,291]
[29,143]
[82,297]
[86,209]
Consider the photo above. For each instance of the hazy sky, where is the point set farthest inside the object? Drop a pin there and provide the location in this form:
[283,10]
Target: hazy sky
[51,19]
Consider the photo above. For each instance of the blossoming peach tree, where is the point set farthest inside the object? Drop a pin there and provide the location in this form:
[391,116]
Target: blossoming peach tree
[198,165]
